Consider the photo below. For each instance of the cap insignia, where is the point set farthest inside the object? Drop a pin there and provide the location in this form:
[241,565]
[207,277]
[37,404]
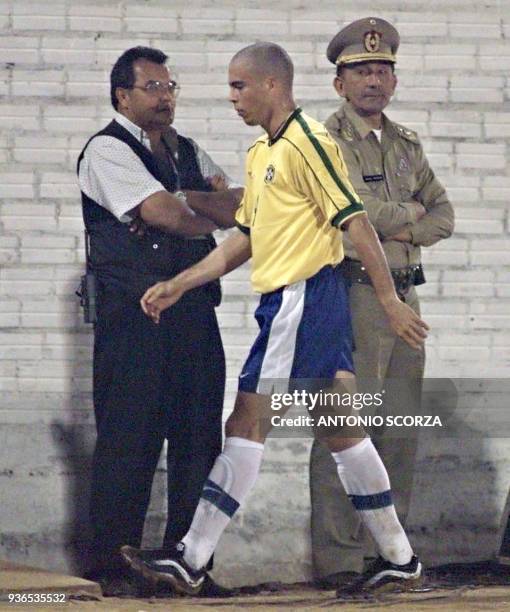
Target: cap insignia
[372,41]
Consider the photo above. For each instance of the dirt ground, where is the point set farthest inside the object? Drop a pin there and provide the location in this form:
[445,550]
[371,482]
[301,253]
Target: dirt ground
[476,600]
[454,588]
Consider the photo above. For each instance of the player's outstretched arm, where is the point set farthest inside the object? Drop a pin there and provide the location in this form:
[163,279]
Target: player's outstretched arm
[230,254]
[406,323]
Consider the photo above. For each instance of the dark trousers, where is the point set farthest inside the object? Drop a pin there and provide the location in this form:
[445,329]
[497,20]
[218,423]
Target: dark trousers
[152,382]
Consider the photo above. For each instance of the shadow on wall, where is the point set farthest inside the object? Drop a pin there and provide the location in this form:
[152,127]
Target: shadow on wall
[75,443]
[73,438]
[505,528]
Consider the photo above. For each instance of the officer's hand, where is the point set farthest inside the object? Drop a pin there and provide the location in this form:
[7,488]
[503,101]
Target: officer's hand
[406,323]
[159,297]
[402,236]
[421,211]
[217,182]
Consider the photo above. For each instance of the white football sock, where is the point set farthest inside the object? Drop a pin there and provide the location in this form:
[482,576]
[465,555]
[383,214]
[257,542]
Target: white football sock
[231,479]
[366,481]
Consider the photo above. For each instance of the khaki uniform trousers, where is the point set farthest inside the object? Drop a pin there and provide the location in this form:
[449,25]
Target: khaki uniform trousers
[339,541]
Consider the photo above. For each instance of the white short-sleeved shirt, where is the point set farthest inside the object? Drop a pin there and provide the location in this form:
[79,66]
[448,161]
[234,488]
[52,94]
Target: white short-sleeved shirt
[113,175]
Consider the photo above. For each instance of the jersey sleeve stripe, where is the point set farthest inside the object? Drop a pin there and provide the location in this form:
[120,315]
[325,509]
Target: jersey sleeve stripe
[343,215]
[327,162]
[243,228]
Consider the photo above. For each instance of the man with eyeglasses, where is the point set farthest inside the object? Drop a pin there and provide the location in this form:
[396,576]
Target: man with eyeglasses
[409,209]
[151,200]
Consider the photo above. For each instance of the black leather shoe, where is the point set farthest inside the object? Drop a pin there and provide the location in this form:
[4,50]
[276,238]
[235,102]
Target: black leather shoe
[213,589]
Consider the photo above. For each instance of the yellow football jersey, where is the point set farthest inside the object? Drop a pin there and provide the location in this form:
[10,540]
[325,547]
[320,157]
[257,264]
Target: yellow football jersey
[297,195]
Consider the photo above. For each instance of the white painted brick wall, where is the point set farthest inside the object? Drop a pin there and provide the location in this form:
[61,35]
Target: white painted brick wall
[55,59]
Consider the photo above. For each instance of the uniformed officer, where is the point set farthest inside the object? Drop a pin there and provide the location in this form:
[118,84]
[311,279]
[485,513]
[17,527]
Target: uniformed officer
[409,209]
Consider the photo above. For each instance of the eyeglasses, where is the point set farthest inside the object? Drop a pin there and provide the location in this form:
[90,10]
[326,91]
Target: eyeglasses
[158,88]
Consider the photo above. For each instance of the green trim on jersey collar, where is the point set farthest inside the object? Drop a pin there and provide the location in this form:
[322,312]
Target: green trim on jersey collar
[281,130]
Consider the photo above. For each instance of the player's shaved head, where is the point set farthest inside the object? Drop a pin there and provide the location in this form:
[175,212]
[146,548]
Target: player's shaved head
[268,60]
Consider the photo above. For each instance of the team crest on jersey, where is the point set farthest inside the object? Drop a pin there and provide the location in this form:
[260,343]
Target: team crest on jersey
[270,172]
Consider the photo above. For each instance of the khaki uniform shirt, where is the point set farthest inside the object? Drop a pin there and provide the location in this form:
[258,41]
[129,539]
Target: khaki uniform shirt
[388,176]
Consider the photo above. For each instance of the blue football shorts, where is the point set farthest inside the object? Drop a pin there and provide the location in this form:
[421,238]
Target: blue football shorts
[305,333]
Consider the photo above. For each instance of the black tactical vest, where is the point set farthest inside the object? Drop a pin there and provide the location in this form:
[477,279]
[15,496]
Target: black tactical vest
[129,264]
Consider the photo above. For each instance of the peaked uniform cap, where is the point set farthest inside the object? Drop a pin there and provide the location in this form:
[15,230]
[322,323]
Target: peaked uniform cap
[366,40]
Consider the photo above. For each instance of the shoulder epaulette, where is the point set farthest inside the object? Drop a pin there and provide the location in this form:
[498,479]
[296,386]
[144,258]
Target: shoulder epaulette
[406,133]
[347,131]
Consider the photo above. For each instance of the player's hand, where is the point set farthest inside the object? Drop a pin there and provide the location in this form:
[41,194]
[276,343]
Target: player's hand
[406,323]
[161,296]
[217,182]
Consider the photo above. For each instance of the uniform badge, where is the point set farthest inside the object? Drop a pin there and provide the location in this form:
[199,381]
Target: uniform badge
[372,41]
[403,166]
[270,172]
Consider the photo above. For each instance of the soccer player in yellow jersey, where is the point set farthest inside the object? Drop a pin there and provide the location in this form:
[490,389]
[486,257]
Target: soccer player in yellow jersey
[297,202]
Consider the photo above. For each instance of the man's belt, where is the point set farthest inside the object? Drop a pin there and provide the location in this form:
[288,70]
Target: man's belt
[403,278]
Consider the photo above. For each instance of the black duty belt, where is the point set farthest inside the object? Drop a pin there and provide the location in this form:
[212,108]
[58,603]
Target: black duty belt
[403,278]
